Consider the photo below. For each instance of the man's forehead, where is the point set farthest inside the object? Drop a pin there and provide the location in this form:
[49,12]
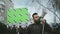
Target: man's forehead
[36,15]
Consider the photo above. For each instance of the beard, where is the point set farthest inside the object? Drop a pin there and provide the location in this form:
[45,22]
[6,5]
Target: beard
[37,21]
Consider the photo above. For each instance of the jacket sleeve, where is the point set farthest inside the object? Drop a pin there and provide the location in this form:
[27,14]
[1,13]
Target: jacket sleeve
[29,30]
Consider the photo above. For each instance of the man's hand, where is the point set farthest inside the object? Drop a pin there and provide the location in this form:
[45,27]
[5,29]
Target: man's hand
[42,21]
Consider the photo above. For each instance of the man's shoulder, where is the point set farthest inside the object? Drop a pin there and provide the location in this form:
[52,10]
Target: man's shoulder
[31,24]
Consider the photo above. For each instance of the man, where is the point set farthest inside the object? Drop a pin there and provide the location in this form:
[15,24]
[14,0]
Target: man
[20,30]
[37,26]
[14,30]
[9,30]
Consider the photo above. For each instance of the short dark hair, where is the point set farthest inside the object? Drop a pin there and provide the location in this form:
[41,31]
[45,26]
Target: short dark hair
[34,14]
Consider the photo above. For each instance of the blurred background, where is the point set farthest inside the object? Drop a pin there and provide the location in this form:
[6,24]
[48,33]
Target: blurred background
[19,12]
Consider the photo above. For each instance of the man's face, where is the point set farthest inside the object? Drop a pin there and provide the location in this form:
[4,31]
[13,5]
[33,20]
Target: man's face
[36,17]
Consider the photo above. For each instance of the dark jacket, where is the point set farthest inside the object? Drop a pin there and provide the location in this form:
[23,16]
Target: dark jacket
[9,30]
[47,29]
[35,29]
[14,31]
[3,28]
[20,30]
